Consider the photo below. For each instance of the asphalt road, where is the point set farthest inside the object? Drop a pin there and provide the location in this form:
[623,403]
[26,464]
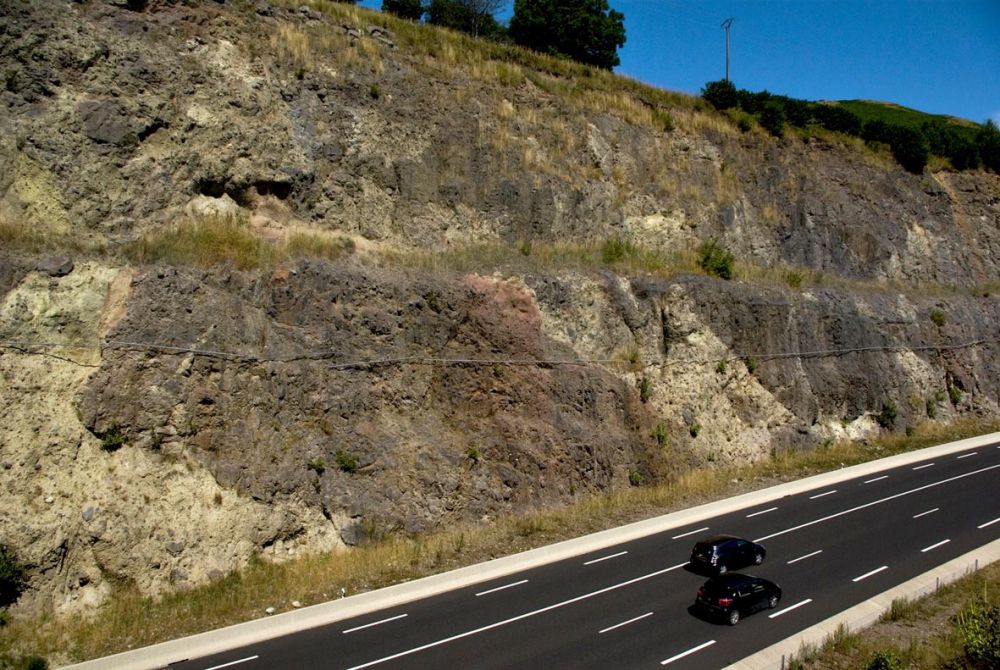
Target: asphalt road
[627,606]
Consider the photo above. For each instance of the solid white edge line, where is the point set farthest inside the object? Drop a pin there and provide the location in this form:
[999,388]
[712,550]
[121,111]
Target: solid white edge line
[921,467]
[877,502]
[763,511]
[690,532]
[869,574]
[934,546]
[605,558]
[930,511]
[820,495]
[374,623]
[226,665]
[501,588]
[966,455]
[790,608]
[688,652]
[625,623]
[877,479]
[988,523]
[497,624]
[801,558]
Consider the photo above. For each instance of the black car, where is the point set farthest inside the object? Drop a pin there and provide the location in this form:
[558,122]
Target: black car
[723,553]
[732,596]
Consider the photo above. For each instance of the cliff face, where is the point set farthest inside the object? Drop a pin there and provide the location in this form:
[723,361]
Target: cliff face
[163,423]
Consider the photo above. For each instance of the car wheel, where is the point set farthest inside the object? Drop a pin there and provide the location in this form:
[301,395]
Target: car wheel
[734,617]
[757,559]
[722,569]
[772,602]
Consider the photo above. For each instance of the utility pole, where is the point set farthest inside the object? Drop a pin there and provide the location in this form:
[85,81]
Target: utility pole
[725,26]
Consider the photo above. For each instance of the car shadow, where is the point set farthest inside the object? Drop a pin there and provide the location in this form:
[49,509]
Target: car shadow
[699,613]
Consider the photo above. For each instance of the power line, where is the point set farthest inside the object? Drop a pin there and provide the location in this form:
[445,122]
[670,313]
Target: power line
[45,348]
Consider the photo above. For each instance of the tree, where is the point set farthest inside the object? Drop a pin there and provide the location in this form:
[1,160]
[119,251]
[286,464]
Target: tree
[474,17]
[720,94]
[988,139]
[588,31]
[772,117]
[407,9]
[909,148]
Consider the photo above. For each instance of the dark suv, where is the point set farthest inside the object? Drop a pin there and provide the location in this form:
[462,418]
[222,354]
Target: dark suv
[722,553]
[732,596]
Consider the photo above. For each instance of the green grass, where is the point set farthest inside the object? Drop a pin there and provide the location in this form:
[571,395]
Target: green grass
[131,620]
[869,110]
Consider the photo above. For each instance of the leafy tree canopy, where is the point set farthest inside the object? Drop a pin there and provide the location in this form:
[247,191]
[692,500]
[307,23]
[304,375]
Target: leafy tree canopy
[588,31]
[720,94]
[407,9]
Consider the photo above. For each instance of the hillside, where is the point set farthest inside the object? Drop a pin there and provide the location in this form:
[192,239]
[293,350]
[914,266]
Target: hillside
[279,278]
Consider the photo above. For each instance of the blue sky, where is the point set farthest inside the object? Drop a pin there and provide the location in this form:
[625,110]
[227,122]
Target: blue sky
[939,56]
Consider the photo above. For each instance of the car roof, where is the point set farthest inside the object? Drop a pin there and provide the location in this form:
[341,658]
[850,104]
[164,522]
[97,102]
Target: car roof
[718,539]
[731,579]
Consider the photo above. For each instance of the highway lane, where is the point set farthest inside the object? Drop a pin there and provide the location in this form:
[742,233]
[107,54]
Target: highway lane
[626,606]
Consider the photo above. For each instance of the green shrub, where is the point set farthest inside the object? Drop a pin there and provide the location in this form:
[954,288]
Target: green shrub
[978,626]
[887,417]
[35,663]
[720,367]
[112,439]
[472,453]
[794,279]
[635,478]
[13,577]
[715,260]
[954,394]
[751,363]
[885,660]
[937,316]
[931,408]
[525,248]
[375,92]
[694,429]
[616,250]
[317,465]
[346,461]
[660,435]
[645,389]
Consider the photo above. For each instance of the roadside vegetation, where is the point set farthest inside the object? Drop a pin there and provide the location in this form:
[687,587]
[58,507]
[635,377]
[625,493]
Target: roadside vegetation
[958,626]
[130,620]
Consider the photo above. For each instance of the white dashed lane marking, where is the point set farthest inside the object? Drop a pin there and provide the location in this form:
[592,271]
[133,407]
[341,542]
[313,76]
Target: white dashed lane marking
[934,546]
[790,608]
[869,574]
[375,623]
[930,511]
[763,511]
[687,653]
[625,623]
[690,532]
[501,588]
[802,558]
[226,665]
[605,558]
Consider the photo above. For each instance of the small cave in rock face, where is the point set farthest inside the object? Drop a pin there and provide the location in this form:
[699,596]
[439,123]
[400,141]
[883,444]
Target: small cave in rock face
[279,190]
[213,188]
